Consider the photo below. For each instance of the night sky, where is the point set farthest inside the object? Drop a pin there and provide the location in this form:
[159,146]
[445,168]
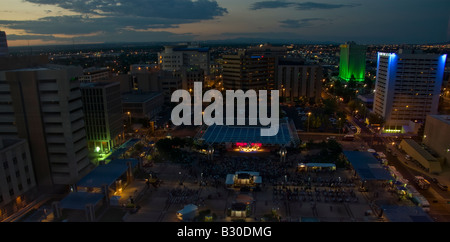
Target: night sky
[36,22]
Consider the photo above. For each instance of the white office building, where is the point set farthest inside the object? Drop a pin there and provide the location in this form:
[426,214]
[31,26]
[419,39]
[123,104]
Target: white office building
[173,58]
[407,88]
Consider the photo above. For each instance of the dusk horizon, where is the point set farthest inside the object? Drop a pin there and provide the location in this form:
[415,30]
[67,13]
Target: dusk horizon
[44,22]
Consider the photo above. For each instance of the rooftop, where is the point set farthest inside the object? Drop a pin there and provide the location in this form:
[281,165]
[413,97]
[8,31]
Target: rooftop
[405,214]
[79,200]
[97,84]
[367,166]
[137,97]
[106,174]
[443,118]
[250,134]
[425,154]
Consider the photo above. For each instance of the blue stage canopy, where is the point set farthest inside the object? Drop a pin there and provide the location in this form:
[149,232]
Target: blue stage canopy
[367,166]
[247,134]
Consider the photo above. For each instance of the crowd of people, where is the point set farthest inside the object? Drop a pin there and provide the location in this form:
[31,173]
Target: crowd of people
[270,168]
[183,196]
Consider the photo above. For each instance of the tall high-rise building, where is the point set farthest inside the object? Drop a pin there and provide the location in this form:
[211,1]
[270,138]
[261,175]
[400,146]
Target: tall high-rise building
[246,71]
[352,61]
[42,104]
[102,106]
[3,44]
[253,68]
[297,79]
[408,85]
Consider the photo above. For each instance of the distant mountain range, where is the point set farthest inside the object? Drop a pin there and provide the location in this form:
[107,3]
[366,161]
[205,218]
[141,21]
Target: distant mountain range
[132,45]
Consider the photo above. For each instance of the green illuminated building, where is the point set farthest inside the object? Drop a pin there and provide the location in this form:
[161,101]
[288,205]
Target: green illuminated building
[352,61]
[102,107]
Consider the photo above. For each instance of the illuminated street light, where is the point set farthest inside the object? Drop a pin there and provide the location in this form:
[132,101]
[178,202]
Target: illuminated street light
[309,114]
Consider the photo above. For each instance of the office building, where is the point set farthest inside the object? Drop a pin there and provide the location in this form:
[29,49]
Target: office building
[173,58]
[189,76]
[408,85]
[245,71]
[42,104]
[3,44]
[296,79]
[352,61]
[144,78]
[94,74]
[437,135]
[170,81]
[253,68]
[142,106]
[102,106]
[17,181]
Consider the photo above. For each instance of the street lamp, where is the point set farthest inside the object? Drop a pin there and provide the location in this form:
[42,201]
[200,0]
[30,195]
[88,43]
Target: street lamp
[309,114]
[129,116]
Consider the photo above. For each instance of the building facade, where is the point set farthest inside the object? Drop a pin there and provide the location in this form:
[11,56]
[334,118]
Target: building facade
[436,135]
[407,87]
[17,180]
[102,106]
[3,44]
[253,68]
[173,58]
[352,61]
[43,105]
[95,74]
[138,105]
[245,71]
[296,79]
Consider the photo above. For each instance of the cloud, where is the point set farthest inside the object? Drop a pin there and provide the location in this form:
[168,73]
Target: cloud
[31,37]
[128,36]
[298,6]
[298,23]
[167,9]
[96,19]
[311,6]
[83,24]
[270,4]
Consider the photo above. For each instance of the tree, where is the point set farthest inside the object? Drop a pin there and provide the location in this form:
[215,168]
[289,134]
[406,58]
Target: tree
[329,106]
[352,82]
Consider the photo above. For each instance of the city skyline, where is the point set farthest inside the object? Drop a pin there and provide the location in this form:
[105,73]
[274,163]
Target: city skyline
[47,22]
